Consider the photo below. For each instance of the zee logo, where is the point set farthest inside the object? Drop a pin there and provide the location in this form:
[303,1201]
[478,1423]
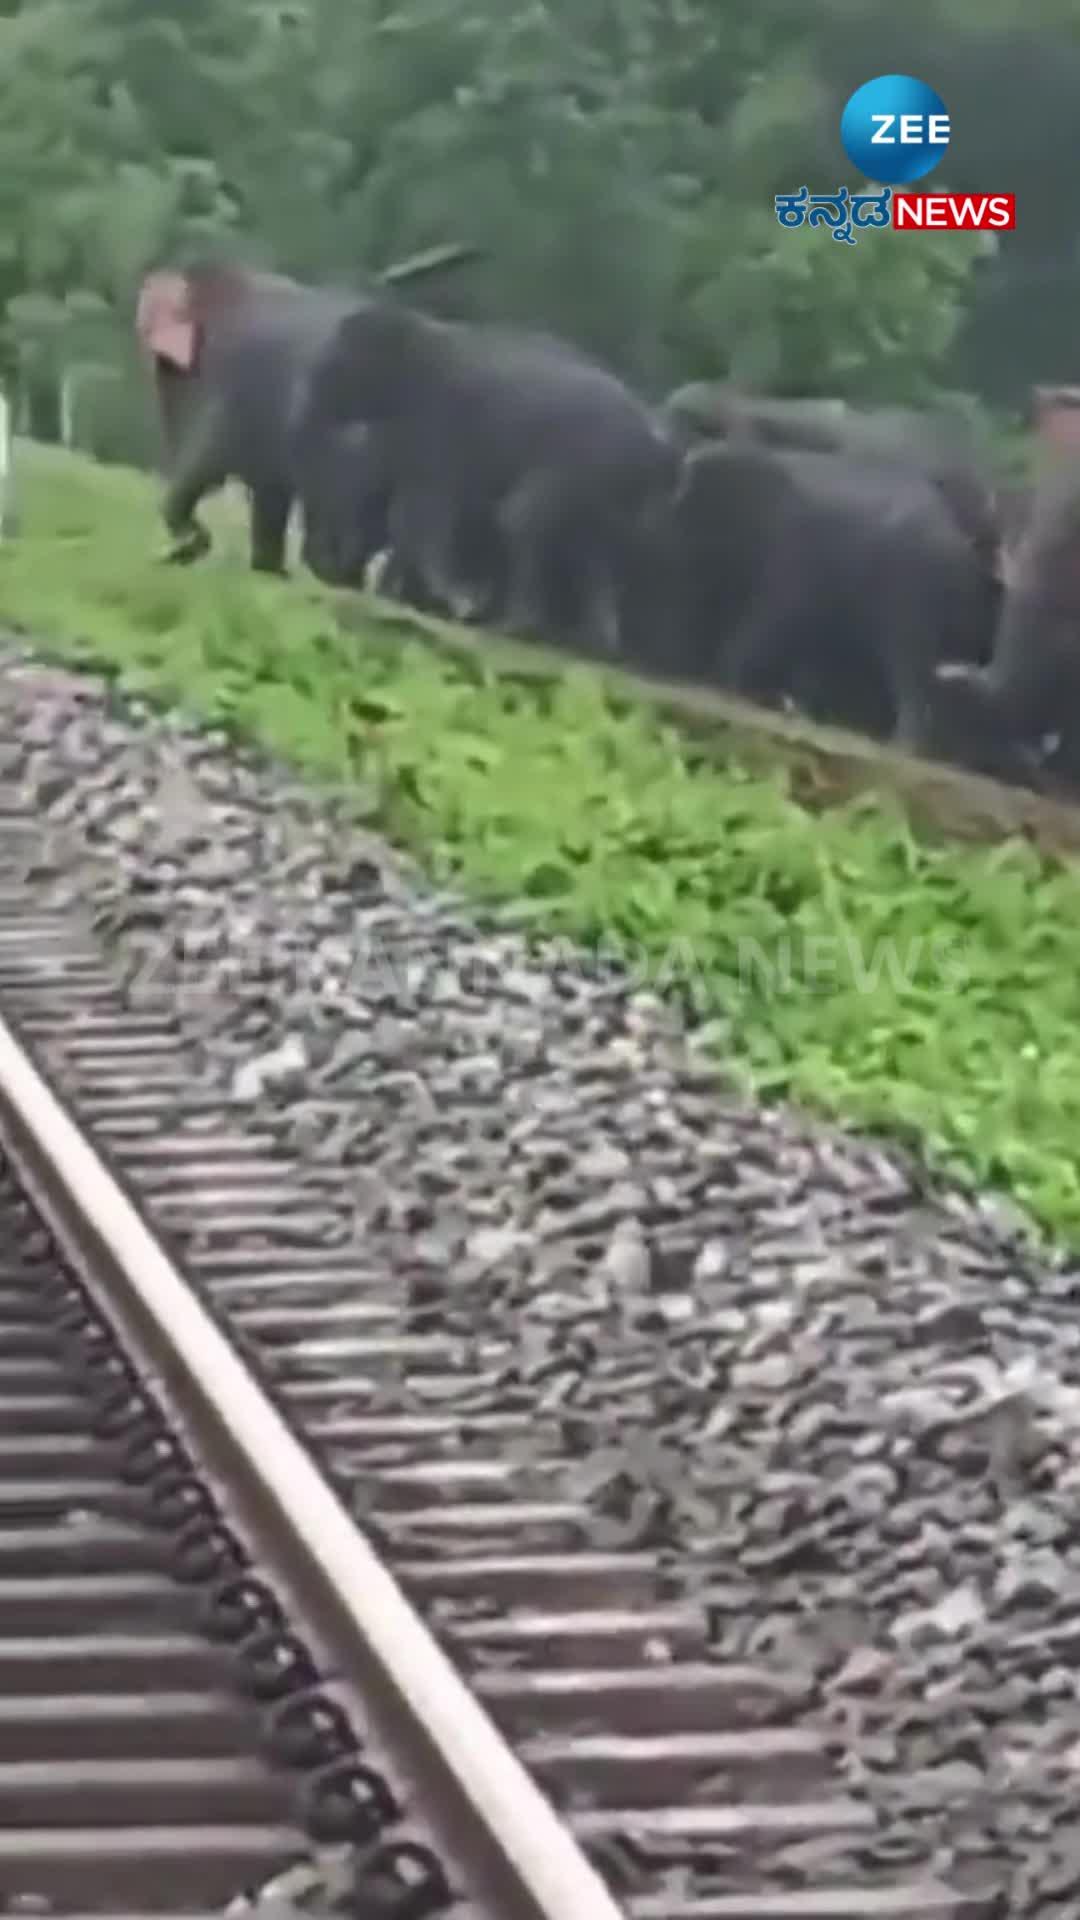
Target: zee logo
[895,129]
[914,131]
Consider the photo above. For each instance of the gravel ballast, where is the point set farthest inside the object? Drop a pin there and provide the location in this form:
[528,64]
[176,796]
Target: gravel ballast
[844,1407]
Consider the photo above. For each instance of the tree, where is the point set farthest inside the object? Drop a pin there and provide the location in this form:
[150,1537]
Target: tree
[615,160]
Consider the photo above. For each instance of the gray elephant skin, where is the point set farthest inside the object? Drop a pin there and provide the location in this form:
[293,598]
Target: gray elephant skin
[836,583]
[512,449]
[925,444]
[230,348]
[854,564]
[1018,718]
[345,501]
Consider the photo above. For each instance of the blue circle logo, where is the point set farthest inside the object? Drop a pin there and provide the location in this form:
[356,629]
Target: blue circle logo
[894,129]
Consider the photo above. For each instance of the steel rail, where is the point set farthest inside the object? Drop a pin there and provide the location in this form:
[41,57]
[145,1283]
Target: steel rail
[515,1835]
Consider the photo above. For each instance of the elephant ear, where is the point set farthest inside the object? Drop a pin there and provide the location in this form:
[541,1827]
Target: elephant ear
[165,320]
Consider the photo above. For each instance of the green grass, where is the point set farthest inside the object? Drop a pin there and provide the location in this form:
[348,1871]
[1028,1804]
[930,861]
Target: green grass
[931,991]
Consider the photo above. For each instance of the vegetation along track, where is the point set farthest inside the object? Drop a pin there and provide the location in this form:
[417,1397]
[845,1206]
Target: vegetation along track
[690,1780]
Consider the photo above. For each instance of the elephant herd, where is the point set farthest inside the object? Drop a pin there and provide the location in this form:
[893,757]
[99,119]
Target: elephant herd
[857,566]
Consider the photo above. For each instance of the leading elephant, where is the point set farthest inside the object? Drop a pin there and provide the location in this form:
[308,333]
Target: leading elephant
[515,448]
[834,582]
[230,347]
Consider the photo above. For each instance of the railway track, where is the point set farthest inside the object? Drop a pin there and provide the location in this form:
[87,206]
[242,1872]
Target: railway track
[208,1679]
[684,1787]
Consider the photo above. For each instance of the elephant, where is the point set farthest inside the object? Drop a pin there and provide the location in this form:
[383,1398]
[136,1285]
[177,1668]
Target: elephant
[230,346]
[345,499]
[701,412]
[513,450]
[1018,717]
[710,410]
[836,582]
[345,504]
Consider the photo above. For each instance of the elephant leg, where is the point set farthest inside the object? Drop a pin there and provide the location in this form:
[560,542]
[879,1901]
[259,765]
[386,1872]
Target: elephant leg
[634,607]
[325,554]
[1032,676]
[423,541]
[767,642]
[201,467]
[602,615]
[480,563]
[270,508]
[354,564]
[312,543]
[911,679]
[485,608]
[919,592]
[911,641]
[369,536]
[522,520]
[650,606]
[967,725]
[698,621]
[560,586]
[913,722]
[387,577]
[340,541]
[400,580]
[594,566]
[400,577]
[190,539]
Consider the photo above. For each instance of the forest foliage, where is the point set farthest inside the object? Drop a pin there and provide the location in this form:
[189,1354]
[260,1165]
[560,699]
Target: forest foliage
[615,160]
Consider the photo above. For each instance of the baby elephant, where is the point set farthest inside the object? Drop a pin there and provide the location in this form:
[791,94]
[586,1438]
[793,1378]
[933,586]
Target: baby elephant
[511,453]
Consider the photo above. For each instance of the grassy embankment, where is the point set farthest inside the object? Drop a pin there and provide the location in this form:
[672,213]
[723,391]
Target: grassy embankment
[852,959]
